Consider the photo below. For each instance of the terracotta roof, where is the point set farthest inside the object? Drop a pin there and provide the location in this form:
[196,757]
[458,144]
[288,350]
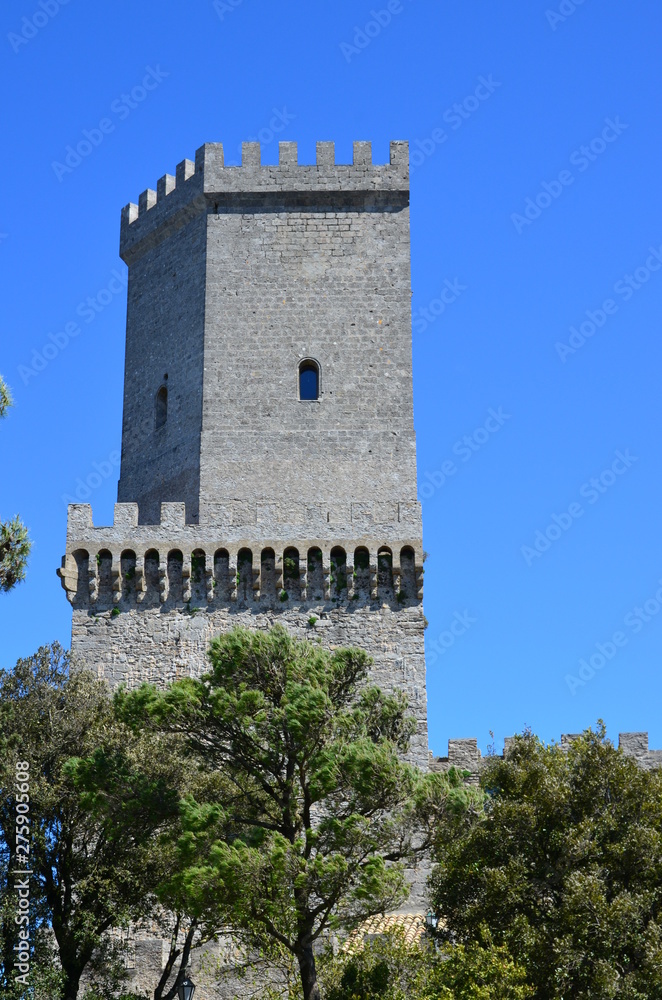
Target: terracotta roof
[412,925]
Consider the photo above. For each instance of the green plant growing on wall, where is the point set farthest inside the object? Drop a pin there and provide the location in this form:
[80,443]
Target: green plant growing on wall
[290,568]
[362,559]
[314,560]
[197,568]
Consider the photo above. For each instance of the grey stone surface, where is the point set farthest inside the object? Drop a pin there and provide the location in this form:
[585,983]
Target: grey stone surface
[465,755]
[236,274]
[240,503]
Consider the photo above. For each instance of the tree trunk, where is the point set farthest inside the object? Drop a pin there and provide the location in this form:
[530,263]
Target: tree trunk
[71,984]
[308,972]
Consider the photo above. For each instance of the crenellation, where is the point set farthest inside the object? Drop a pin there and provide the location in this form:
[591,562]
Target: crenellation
[250,154]
[129,215]
[125,515]
[146,201]
[164,186]
[288,155]
[184,171]
[465,754]
[362,154]
[242,501]
[252,179]
[325,154]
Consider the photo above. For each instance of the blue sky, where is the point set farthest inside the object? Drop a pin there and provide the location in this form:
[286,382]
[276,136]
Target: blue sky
[536,209]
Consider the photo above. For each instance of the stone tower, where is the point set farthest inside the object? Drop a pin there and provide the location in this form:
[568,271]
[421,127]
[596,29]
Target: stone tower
[268,451]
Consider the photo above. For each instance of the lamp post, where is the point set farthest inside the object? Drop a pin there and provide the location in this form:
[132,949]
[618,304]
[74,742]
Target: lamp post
[430,920]
[186,989]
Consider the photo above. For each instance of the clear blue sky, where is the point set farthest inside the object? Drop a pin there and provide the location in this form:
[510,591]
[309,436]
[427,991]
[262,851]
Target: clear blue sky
[497,100]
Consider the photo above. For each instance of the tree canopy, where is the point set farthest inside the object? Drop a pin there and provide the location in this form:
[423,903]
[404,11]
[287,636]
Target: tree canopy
[318,811]
[565,869]
[93,854]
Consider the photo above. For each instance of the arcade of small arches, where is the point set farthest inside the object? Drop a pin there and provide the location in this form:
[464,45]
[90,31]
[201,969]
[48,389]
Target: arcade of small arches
[267,576]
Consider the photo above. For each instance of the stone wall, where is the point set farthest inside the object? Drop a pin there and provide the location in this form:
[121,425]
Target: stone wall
[240,502]
[147,599]
[465,754]
[236,275]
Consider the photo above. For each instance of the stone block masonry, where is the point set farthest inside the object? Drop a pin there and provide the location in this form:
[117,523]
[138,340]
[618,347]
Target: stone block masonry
[236,275]
[147,599]
[465,755]
[249,494]
[241,500]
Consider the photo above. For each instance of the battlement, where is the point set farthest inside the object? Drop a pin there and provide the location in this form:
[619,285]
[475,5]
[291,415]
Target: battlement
[178,562]
[207,185]
[465,754]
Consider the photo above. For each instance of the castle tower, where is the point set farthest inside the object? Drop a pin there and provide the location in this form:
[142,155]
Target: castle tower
[268,451]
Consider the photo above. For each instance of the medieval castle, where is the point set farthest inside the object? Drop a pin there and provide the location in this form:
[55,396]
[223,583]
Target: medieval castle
[268,467]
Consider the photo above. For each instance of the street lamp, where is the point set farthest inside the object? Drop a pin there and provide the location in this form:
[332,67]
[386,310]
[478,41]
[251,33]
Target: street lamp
[186,990]
[430,920]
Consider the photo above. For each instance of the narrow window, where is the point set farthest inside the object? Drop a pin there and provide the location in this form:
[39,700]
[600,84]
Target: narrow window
[161,410]
[309,380]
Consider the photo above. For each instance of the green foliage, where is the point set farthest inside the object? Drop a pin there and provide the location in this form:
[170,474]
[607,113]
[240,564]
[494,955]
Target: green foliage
[314,560]
[338,572]
[312,621]
[5,398]
[115,612]
[361,559]
[197,568]
[98,796]
[15,548]
[284,596]
[290,568]
[565,869]
[315,812]
[390,969]
[15,544]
